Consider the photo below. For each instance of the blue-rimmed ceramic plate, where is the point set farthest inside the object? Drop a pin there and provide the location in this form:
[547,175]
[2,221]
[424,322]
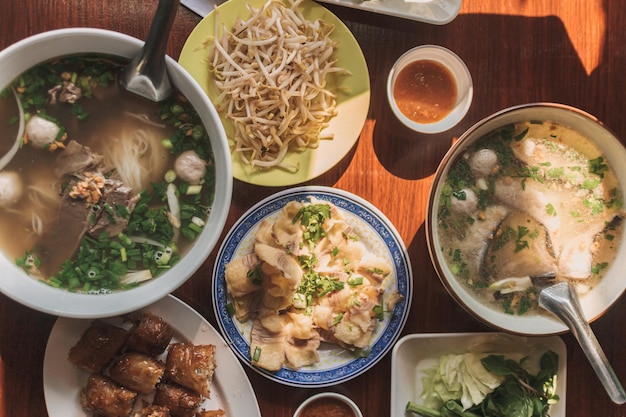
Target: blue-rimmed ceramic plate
[336,364]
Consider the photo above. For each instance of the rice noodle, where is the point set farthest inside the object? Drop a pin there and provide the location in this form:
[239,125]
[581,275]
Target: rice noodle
[44,203]
[145,119]
[270,74]
[137,156]
[36,224]
[43,197]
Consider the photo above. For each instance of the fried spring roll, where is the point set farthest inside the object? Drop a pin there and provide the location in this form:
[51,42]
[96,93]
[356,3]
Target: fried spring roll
[153,411]
[191,366]
[181,401]
[104,398]
[151,336]
[137,371]
[97,346]
[211,413]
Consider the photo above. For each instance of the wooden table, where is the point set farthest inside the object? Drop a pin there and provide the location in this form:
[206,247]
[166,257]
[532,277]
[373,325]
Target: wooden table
[518,51]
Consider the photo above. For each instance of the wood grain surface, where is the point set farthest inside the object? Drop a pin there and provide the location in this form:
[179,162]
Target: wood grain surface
[518,51]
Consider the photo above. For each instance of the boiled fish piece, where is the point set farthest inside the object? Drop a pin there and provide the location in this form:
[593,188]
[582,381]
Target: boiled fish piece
[302,352]
[264,233]
[566,163]
[281,260]
[248,306]
[519,248]
[323,316]
[572,236]
[237,276]
[473,245]
[286,233]
[352,334]
[267,341]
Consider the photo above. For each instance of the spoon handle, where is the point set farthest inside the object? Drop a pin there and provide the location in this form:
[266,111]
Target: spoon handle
[561,300]
[146,74]
[152,57]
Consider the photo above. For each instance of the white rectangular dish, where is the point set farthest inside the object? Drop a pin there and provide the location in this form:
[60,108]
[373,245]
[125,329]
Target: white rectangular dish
[416,352]
[437,12]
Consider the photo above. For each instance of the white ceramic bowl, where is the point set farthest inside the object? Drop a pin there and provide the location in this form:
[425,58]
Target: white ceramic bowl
[322,396]
[460,73]
[610,287]
[14,283]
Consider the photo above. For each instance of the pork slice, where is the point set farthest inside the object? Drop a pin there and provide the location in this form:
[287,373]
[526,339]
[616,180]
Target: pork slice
[61,240]
[75,158]
[108,219]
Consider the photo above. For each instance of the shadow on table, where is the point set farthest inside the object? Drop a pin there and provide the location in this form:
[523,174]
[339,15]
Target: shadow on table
[531,59]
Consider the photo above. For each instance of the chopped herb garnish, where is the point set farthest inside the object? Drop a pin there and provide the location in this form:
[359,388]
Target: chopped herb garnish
[353,282]
[379,312]
[257,354]
[255,275]
[312,217]
[598,167]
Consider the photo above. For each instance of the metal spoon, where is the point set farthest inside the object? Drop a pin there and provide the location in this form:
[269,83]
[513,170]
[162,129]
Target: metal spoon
[561,300]
[146,74]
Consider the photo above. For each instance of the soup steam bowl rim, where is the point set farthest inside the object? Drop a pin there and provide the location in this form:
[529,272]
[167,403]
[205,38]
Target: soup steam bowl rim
[14,282]
[611,286]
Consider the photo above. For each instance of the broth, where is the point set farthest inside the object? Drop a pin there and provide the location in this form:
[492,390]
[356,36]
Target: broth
[93,164]
[527,202]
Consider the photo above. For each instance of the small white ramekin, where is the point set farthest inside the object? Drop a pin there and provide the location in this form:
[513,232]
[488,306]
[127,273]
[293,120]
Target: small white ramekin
[329,395]
[457,68]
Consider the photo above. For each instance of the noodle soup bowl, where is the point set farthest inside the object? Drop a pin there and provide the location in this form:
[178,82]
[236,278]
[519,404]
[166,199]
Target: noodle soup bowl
[14,282]
[594,302]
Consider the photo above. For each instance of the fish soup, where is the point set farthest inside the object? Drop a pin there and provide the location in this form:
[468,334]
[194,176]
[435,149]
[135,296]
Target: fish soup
[528,204]
[107,189]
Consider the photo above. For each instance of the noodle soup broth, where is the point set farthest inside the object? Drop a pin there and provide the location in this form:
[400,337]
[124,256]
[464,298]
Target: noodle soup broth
[527,204]
[104,201]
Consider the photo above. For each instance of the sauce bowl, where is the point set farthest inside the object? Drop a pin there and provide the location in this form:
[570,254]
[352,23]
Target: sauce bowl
[327,404]
[442,85]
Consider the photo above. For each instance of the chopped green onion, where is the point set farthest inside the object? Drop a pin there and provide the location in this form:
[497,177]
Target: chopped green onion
[170,176]
[194,189]
[353,282]
[230,308]
[257,354]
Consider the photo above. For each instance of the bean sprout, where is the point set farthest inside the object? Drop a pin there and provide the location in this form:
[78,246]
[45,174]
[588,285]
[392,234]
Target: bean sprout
[270,73]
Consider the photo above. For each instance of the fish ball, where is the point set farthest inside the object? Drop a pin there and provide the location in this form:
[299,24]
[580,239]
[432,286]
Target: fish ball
[464,206]
[11,189]
[483,162]
[41,132]
[190,167]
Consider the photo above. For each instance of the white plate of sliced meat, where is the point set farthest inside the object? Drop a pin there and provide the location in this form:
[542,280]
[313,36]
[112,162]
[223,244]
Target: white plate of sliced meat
[138,362]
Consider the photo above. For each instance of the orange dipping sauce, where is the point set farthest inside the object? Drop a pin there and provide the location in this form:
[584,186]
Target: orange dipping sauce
[327,407]
[425,91]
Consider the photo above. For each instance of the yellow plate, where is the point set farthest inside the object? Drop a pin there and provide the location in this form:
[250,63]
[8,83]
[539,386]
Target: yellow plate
[352,104]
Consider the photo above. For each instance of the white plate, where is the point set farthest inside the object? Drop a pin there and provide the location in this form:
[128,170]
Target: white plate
[416,352]
[336,364]
[437,12]
[62,381]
